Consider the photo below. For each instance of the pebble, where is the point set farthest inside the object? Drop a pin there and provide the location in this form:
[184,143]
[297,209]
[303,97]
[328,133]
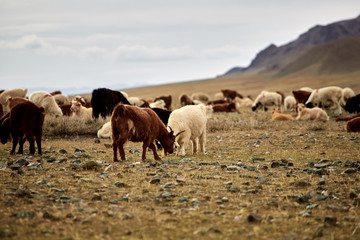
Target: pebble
[22,162]
[252,218]
[155,180]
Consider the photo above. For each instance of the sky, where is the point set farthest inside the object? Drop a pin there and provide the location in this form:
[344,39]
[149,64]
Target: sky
[79,45]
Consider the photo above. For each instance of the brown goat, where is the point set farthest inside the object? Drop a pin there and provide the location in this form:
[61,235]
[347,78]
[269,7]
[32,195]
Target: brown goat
[65,108]
[213,102]
[132,123]
[301,96]
[347,118]
[167,100]
[185,100]
[1,110]
[224,107]
[230,95]
[25,119]
[353,125]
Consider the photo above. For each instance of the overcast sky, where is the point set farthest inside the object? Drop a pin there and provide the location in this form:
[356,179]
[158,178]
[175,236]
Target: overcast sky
[77,45]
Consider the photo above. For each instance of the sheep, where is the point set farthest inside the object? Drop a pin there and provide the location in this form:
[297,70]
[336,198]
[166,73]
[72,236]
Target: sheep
[202,97]
[46,100]
[353,125]
[5,95]
[278,116]
[326,97]
[219,96]
[135,101]
[25,119]
[61,99]
[266,99]
[346,94]
[105,131]
[185,100]
[289,103]
[192,120]
[307,89]
[132,123]
[243,103]
[311,113]
[158,104]
[80,111]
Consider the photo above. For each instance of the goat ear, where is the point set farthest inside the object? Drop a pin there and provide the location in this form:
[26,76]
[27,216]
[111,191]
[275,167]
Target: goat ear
[179,133]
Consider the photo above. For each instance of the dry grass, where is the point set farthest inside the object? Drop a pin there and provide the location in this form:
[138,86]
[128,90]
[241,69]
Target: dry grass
[257,181]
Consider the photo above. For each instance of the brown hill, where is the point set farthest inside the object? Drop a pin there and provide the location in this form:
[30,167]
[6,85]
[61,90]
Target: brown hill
[339,56]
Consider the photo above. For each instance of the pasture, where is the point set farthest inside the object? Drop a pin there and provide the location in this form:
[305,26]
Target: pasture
[258,180]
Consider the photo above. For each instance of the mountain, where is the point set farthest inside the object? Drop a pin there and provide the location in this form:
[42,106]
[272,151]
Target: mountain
[275,58]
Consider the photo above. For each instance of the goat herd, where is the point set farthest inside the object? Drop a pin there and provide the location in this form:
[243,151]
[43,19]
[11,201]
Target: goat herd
[138,120]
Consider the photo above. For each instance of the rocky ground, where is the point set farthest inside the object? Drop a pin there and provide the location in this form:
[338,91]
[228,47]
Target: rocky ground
[258,180]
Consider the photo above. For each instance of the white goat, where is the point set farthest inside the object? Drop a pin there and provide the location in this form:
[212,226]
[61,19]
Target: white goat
[192,120]
[46,100]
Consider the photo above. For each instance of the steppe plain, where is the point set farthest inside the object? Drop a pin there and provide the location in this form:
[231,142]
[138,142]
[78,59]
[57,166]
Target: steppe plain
[258,180]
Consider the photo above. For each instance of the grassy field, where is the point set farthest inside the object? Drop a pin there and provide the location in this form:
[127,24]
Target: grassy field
[258,180]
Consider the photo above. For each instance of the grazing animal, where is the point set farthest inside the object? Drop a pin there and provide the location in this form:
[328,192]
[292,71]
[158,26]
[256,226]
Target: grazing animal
[1,110]
[289,103]
[82,100]
[135,101]
[61,99]
[80,111]
[105,131]
[202,97]
[224,107]
[65,108]
[25,120]
[353,125]
[326,97]
[218,101]
[311,113]
[185,100]
[282,96]
[167,100]
[230,95]
[192,121]
[163,114]
[132,123]
[347,118]
[218,96]
[267,99]
[243,103]
[104,100]
[5,95]
[301,96]
[46,100]
[158,104]
[346,94]
[278,116]
[55,92]
[353,104]
[308,89]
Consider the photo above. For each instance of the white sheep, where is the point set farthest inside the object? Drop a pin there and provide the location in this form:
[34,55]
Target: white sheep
[346,93]
[308,89]
[327,97]
[289,103]
[5,95]
[203,97]
[311,113]
[158,104]
[267,99]
[135,101]
[243,103]
[105,131]
[46,100]
[79,111]
[61,99]
[192,120]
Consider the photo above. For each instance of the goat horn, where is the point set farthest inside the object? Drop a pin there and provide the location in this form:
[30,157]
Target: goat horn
[179,133]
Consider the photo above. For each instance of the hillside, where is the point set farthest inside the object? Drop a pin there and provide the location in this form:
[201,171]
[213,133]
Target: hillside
[339,56]
[274,58]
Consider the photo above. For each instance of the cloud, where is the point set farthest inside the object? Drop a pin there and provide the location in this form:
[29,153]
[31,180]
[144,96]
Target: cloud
[145,53]
[26,42]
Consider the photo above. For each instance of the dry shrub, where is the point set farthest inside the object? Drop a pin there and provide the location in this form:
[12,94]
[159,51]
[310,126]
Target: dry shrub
[55,126]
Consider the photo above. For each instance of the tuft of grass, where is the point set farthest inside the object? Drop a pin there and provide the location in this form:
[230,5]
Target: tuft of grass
[91,165]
